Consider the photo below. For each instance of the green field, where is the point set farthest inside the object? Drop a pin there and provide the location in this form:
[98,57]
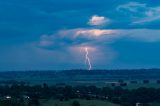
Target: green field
[82,103]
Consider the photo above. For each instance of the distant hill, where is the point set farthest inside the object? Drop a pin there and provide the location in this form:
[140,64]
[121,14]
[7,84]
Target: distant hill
[81,74]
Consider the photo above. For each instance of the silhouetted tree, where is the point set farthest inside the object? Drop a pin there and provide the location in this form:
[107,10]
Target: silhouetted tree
[75,103]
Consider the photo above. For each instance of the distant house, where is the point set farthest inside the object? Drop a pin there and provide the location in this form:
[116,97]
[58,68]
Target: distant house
[147,104]
[146,81]
[139,104]
[120,81]
[133,82]
[8,97]
[158,81]
[123,84]
[60,84]
[113,84]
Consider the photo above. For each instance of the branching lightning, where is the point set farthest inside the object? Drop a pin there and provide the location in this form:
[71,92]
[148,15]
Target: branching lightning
[88,59]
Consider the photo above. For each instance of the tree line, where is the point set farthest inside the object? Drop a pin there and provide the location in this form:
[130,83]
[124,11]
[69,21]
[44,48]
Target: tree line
[117,95]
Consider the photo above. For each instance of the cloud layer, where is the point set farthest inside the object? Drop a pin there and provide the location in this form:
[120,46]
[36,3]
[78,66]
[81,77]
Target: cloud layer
[95,37]
[141,11]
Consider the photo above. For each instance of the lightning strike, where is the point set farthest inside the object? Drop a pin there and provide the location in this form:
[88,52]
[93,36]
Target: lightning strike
[88,59]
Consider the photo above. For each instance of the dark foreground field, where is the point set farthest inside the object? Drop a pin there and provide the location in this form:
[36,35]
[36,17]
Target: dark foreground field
[86,88]
[80,102]
[44,95]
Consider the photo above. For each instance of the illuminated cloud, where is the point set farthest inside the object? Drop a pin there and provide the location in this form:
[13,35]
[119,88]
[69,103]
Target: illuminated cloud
[98,20]
[90,48]
[85,33]
[75,37]
[66,39]
[93,32]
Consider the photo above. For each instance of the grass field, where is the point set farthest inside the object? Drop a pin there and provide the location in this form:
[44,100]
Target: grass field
[82,103]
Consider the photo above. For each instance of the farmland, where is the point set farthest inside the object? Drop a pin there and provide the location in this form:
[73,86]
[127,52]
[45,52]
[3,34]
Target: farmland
[81,102]
[100,78]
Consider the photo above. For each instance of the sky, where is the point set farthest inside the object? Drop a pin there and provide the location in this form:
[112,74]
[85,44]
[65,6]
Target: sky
[54,34]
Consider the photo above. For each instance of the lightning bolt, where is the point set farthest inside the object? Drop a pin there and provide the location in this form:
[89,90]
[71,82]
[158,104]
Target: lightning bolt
[88,59]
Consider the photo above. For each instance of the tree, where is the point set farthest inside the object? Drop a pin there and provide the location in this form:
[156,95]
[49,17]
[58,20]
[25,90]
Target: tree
[75,103]
[34,102]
